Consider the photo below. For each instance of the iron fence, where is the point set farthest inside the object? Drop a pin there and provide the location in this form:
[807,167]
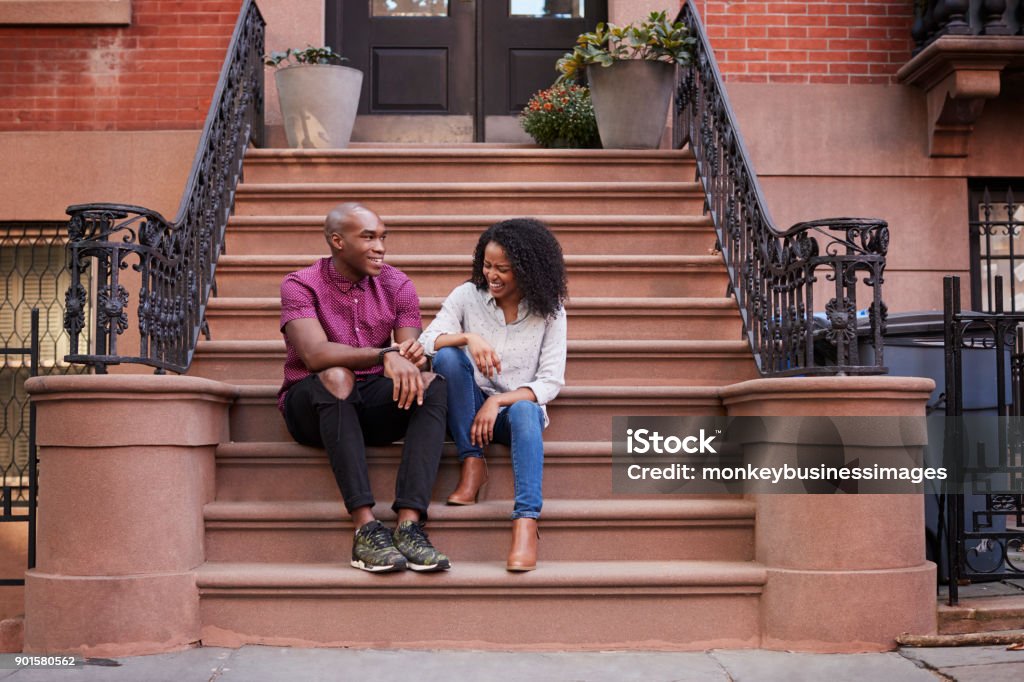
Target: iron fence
[984,530]
[33,263]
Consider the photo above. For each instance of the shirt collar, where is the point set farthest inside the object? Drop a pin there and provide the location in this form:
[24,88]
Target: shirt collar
[339,280]
[492,304]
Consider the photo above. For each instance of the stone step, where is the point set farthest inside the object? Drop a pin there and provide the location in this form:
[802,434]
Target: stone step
[1004,610]
[636,605]
[513,198]
[286,471]
[445,234]
[659,361]
[589,318]
[580,413]
[571,530]
[466,164]
[437,275]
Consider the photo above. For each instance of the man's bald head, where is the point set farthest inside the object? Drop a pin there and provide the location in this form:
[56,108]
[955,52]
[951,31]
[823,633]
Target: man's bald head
[348,215]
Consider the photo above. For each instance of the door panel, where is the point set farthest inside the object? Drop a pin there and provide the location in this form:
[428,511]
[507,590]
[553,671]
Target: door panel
[409,79]
[410,64]
[520,50]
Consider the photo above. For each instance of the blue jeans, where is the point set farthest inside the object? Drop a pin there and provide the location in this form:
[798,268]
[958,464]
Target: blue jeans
[520,426]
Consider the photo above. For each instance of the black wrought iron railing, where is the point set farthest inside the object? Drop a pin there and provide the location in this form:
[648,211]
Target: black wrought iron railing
[776,274]
[984,529]
[936,18]
[176,259]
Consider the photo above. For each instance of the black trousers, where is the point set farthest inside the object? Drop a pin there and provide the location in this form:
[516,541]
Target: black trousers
[369,416]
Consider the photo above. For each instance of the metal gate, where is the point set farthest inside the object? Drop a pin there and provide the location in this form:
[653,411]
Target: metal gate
[33,278]
[985,530]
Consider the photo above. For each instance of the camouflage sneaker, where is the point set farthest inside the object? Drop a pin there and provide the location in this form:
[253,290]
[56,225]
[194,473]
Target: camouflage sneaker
[411,540]
[373,550]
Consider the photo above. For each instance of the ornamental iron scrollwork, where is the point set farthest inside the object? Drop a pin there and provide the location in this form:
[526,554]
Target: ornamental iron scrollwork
[776,274]
[175,260]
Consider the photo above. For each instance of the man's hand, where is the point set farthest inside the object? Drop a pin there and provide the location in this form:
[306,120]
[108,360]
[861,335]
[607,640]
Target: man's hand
[411,350]
[406,378]
[486,358]
[482,431]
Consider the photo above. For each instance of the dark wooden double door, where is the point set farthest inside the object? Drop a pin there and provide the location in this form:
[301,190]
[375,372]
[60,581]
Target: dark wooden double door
[480,58]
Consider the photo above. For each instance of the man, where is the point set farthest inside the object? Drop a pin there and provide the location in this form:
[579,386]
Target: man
[345,386]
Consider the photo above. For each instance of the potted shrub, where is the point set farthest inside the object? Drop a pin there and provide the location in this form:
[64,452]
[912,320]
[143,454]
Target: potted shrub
[561,116]
[319,97]
[637,67]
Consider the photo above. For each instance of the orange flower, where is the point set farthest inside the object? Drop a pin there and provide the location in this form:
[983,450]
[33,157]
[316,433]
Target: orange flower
[547,106]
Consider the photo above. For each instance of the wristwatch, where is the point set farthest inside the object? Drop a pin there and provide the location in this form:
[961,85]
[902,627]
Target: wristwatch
[385,351]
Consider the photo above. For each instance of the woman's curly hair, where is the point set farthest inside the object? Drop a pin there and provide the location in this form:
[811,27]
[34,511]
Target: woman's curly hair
[537,262]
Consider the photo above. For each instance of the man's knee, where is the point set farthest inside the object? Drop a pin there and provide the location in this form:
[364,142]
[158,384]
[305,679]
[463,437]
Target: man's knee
[339,381]
[434,386]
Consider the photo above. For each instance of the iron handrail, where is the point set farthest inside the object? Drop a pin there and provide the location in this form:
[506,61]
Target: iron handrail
[773,272]
[177,259]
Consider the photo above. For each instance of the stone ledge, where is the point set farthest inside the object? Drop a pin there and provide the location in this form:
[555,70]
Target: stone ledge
[958,75]
[66,12]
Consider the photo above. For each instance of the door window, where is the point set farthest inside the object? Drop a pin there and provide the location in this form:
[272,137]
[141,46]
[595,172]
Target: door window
[410,8]
[549,9]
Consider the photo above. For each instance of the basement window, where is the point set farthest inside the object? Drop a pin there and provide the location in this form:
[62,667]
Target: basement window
[997,245]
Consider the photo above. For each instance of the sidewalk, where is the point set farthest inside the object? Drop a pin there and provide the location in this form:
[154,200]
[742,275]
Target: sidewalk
[267,664]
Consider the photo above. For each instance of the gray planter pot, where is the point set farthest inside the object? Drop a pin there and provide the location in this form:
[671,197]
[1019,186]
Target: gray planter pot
[318,104]
[631,101]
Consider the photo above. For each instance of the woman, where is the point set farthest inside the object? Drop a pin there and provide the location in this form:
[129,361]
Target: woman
[499,341]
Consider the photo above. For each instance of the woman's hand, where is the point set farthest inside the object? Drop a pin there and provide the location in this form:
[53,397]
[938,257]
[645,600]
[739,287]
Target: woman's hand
[482,431]
[486,358]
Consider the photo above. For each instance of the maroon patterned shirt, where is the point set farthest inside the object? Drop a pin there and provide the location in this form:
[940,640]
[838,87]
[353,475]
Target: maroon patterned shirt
[361,314]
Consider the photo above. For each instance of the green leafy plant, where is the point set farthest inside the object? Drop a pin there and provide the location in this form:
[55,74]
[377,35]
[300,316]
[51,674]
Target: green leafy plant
[656,39]
[306,55]
[561,116]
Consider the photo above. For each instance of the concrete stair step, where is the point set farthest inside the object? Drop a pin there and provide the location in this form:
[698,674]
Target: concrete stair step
[285,471]
[437,275]
[580,413]
[661,361]
[636,604]
[445,234]
[571,530]
[589,318]
[525,198]
[466,164]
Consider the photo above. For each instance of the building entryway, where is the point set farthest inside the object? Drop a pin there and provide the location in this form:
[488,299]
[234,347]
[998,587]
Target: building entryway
[453,70]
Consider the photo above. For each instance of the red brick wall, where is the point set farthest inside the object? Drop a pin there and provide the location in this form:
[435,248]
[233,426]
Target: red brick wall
[159,73]
[817,41]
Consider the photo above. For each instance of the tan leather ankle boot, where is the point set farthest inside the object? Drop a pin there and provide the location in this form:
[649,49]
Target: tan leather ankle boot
[471,480]
[523,555]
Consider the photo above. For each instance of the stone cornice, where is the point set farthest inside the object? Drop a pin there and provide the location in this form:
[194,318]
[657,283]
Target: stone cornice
[958,74]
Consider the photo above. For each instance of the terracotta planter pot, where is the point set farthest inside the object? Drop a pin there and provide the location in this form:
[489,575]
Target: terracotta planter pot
[631,101]
[318,104]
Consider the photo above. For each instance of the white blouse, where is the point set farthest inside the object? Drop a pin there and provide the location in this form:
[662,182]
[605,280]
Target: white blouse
[532,349]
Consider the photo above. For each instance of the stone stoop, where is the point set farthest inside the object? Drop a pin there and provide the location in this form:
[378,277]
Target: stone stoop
[652,332]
